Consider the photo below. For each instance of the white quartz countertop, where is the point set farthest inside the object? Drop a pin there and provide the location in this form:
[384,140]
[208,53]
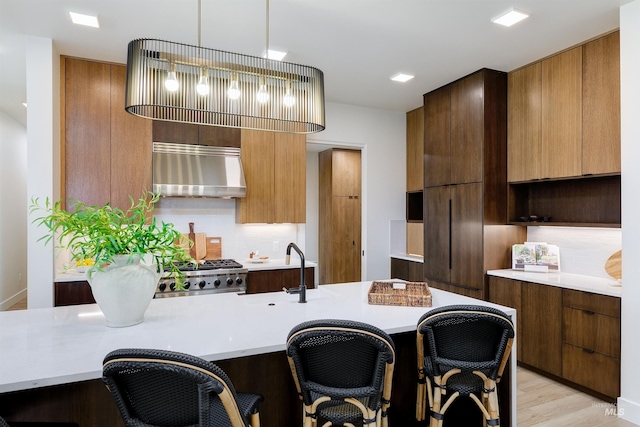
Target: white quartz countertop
[72,275]
[408,257]
[49,346]
[578,282]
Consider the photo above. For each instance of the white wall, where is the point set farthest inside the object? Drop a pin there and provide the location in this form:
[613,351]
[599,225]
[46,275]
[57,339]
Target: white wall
[43,159]
[13,211]
[629,401]
[381,135]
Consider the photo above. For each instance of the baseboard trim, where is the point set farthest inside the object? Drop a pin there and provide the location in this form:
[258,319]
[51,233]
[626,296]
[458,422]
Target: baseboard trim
[629,411]
[11,301]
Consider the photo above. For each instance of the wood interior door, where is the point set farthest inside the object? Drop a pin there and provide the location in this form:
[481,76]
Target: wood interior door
[601,106]
[524,123]
[290,181]
[437,233]
[437,137]
[87,129]
[258,152]
[541,319]
[130,147]
[346,235]
[467,129]
[561,142]
[466,236]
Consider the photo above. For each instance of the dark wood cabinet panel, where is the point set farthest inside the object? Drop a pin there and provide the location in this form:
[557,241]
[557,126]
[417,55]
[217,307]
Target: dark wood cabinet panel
[592,331]
[72,293]
[437,137]
[467,236]
[407,270]
[87,128]
[601,105]
[592,370]
[219,136]
[603,304]
[181,133]
[130,147]
[261,281]
[437,237]
[541,327]
[467,128]
[508,292]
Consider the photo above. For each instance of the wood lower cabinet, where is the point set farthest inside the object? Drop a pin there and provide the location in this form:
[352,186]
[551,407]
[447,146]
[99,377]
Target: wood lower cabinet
[107,151]
[275,171]
[274,280]
[72,293]
[572,335]
[406,270]
[340,216]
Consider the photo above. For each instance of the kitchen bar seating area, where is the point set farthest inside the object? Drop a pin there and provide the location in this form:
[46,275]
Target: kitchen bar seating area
[64,348]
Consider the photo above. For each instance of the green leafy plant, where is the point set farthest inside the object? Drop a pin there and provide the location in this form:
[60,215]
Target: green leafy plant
[101,233]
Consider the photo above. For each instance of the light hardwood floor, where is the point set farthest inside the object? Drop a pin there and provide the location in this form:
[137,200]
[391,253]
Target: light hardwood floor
[544,403]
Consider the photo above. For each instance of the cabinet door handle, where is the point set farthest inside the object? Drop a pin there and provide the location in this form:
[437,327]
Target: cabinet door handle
[586,350]
[589,312]
[450,237]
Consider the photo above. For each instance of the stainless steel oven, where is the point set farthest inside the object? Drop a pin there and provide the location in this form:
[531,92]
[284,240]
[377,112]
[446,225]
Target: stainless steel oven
[208,277]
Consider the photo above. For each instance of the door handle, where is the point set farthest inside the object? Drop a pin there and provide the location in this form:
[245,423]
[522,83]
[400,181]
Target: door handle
[450,238]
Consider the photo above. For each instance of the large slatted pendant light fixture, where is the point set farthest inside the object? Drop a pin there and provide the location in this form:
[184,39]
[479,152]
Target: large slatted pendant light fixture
[183,83]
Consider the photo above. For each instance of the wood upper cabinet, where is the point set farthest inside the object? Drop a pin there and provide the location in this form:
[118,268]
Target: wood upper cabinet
[107,151]
[437,137]
[561,141]
[524,123]
[564,114]
[187,133]
[467,127]
[601,106]
[275,171]
[415,150]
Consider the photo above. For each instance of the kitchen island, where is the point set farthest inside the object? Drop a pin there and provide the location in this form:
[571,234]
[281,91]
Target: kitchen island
[51,359]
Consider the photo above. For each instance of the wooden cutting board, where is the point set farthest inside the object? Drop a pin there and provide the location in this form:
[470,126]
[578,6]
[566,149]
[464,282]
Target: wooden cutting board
[613,266]
[214,247]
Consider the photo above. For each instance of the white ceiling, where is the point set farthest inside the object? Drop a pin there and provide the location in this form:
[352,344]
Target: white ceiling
[358,44]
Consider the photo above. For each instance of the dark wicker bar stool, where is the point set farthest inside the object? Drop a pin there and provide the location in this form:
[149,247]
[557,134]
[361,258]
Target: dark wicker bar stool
[158,388]
[464,354]
[343,372]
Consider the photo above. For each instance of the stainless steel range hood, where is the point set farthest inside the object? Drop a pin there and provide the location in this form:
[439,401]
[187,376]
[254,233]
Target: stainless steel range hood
[184,170]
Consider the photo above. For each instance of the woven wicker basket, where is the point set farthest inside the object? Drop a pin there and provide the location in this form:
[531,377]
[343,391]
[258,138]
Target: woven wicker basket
[414,294]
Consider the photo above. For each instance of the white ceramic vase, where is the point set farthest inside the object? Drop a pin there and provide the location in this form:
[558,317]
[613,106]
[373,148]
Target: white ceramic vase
[123,291]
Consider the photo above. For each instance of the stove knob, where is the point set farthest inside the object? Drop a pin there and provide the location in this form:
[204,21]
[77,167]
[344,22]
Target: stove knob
[229,281]
[239,280]
[186,284]
[172,286]
[201,284]
[162,287]
[216,283]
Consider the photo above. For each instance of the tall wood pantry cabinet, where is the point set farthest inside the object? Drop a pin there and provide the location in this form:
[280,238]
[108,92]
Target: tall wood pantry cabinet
[106,151]
[465,206]
[340,213]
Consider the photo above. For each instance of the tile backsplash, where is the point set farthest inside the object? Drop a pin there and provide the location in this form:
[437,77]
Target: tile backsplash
[582,250]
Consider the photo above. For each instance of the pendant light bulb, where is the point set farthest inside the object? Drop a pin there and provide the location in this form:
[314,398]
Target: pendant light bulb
[171,82]
[234,90]
[263,94]
[203,85]
[289,100]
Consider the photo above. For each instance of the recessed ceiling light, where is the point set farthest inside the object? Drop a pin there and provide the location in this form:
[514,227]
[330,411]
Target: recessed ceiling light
[25,104]
[275,54]
[511,17]
[400,77]
[88,20]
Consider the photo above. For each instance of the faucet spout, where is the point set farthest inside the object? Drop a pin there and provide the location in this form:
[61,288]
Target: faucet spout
[302,289]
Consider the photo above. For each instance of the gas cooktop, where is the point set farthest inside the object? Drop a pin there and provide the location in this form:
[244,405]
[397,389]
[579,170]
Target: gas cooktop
[208,264]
